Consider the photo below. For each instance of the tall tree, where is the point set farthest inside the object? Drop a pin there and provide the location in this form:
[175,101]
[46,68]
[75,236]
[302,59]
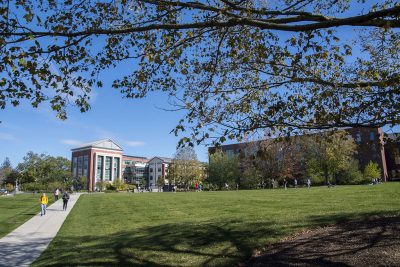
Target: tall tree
[185,168]
[329,153]
[5,170]
[44,169]
[234,66]
[223,169]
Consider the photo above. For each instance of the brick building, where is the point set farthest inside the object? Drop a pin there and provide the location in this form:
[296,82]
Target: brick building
[392,154]
[370,147]
[104,161]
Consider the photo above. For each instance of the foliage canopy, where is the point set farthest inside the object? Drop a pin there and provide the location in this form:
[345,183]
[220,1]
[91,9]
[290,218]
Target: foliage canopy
[233,66]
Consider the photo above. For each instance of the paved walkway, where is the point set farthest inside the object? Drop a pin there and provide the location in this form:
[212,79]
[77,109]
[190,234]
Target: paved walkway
[25,244]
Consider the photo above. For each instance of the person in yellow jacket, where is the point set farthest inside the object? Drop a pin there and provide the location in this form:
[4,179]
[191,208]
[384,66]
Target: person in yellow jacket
[44,200]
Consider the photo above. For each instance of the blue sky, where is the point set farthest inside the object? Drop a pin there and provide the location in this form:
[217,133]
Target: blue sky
[139,126]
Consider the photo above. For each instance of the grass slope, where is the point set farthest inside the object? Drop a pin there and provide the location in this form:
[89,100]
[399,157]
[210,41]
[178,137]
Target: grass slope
[15,210]
[209,228]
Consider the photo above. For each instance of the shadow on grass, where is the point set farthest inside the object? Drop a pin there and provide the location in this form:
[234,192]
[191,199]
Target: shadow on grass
[373,241]
[188,244]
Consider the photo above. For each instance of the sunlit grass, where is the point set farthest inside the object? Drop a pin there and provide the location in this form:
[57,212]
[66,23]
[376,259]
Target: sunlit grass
[208,228]
[15,210]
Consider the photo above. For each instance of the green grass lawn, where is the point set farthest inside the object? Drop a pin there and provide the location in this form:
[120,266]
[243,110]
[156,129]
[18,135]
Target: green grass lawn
[208,228]
[15,210]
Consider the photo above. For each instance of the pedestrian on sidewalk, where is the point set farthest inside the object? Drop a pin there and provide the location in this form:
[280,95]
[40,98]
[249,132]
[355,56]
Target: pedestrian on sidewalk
[44,200]
[65,198]
[56,194]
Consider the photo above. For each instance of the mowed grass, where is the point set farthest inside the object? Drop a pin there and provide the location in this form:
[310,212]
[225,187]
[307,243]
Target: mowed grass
[208,228]
[15,210]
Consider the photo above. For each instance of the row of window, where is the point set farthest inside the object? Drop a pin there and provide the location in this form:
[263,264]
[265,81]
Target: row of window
[80,166]
[159,170]
[110,163]
[151,177]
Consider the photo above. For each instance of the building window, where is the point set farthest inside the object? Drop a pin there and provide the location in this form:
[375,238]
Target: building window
[127,162]
[107,174]
[159,169]
[116,168]
[358,138]
[229,152]
[151,169]
[85,165]
[100,162]
[159,177]
[75,167]
[80,165]
[151,177]
[397,160]
[372,136]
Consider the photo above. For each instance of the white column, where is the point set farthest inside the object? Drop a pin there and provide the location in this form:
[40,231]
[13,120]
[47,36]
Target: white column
[104,168]
[112,169]
[94,171]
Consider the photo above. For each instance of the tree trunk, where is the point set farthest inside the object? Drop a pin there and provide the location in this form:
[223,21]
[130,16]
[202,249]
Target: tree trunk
[326,175]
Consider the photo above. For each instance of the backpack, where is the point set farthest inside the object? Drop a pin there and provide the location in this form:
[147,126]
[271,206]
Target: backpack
[65,196]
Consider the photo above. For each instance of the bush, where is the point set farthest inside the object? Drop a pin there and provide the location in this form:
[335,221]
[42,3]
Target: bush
[110,186]
[9,187]
[131,187]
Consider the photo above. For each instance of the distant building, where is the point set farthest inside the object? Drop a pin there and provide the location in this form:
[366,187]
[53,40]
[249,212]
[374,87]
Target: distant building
[370,147]
[392,153]
[158,169]
[97,161]
[134,169]
[103,161]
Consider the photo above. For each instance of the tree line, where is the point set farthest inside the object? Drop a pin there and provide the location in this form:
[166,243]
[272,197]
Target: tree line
[328,158]
[37,172]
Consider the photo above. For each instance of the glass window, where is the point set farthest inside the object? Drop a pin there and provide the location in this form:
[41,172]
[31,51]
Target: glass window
[116,168]
[75,167]
[151,177]
[85,165]
[358,138]
[151,169]
[107,174]
[372,136]
[159,169]
[100,160]
[80,166]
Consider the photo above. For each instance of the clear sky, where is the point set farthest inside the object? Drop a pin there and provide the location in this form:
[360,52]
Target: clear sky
[139,126]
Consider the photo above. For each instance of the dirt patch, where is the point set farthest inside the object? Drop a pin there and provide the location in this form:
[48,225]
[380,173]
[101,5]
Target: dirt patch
[372,242]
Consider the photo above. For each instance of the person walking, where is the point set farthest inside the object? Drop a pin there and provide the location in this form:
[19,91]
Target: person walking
[56,194]
[295,183]
[65,198]
[285,183]
[308,182]
[44,200]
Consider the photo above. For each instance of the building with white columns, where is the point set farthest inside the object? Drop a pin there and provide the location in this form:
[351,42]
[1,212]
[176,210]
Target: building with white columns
[103,161]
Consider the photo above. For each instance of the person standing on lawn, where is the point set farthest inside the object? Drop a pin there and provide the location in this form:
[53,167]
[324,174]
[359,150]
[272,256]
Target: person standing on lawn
[65,198]
[44,200]
[56,194]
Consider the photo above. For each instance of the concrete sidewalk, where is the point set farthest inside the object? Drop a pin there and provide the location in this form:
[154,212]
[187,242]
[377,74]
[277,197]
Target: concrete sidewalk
[24,245]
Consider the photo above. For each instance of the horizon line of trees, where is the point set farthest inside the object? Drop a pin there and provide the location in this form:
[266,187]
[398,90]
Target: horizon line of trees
[38,172]
[325,159]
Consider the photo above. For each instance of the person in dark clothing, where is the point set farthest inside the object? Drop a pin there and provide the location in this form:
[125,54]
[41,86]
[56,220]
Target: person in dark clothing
[65,198]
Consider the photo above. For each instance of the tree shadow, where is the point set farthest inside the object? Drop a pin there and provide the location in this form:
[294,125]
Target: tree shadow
[227,243]
[373,241]
[162,245]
